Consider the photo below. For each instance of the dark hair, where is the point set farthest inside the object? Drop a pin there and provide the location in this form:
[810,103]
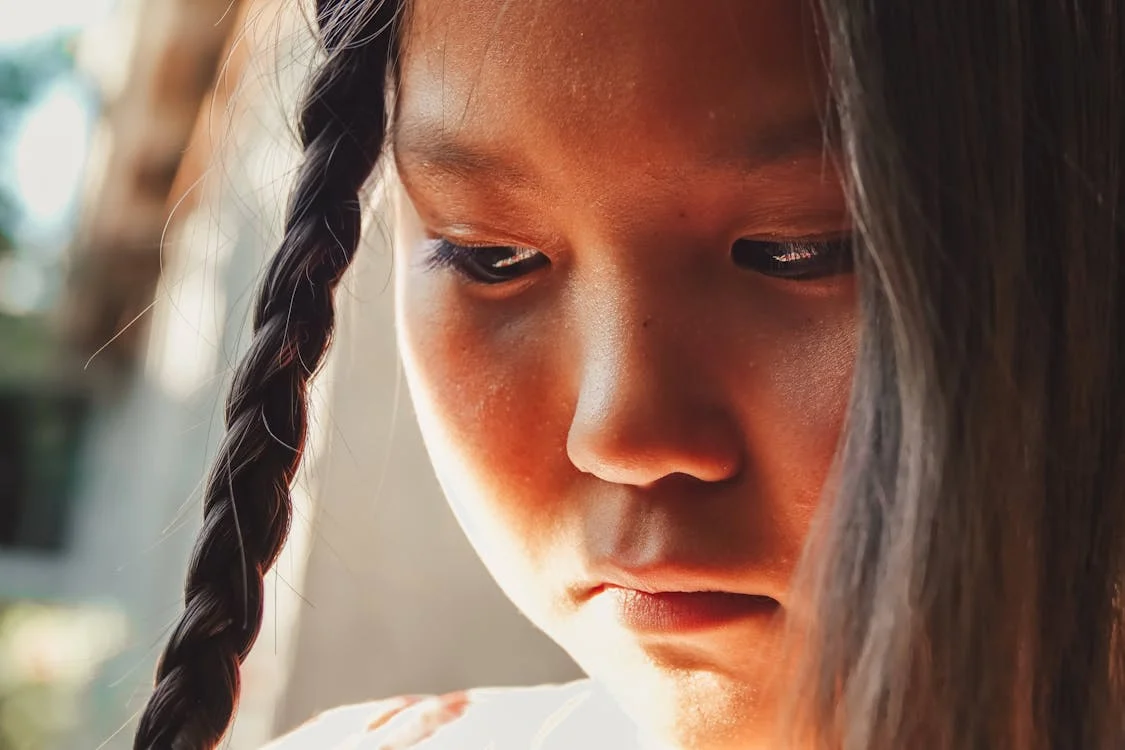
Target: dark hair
[247,503]
[965,575]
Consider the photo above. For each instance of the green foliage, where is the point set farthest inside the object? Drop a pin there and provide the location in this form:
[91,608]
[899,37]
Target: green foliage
[27,348]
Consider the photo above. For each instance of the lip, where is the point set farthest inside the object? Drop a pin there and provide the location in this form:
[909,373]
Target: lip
[683,611]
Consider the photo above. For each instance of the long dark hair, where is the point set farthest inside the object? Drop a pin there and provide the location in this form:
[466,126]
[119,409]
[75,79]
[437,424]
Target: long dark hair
[247,507]
[965,577]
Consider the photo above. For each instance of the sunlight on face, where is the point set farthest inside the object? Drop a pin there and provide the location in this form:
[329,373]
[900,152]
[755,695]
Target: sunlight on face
[628,326]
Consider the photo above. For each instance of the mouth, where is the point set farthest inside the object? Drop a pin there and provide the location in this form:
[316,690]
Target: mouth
[682,611]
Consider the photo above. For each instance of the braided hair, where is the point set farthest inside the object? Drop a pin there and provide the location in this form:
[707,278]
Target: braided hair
[247,506]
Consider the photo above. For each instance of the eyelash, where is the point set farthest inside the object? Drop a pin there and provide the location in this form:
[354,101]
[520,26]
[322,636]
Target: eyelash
[485,265]
[802,260]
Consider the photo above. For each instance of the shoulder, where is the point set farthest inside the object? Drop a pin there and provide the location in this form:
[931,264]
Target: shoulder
[499,718]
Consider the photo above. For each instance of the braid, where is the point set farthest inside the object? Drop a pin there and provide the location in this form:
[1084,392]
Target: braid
[247,507]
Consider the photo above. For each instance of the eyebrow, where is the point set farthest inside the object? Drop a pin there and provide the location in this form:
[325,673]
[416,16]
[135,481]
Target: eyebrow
[781,143]
[434,147]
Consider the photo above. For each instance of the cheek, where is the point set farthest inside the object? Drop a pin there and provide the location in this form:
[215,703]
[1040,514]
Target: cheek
[485,386]
[809,386]
[493,414]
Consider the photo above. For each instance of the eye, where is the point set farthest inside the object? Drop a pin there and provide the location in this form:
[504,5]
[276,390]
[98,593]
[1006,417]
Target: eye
[802,260]
[485,265]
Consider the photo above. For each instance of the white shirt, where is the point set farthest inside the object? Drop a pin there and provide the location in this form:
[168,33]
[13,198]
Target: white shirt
[575,716]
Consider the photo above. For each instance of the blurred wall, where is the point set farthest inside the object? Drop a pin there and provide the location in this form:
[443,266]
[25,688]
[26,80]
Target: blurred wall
[112,585]
[377,593]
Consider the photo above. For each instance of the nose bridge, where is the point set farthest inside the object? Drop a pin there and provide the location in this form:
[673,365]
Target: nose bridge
[639,283]
[621,331]
[645,408]
[638,321]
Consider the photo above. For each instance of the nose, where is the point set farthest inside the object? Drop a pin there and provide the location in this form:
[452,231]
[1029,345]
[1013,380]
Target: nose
[645,409]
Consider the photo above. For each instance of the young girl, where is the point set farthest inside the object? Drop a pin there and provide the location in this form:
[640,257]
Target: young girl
[770,354]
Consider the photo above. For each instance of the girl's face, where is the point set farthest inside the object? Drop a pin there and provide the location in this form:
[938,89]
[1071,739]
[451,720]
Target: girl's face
[628,326]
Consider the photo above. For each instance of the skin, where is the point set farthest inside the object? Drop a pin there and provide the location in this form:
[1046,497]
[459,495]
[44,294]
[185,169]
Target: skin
[641,408]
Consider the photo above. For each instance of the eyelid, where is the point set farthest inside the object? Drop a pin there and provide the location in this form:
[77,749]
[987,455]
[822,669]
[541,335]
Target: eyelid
[476,265]
[520,251]
[798,239]
[477,235]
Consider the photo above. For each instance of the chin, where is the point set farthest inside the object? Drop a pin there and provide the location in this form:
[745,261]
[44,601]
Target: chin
[681,698]
[700,710]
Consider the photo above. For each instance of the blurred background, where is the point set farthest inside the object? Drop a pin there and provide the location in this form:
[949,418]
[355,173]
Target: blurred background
[146,150]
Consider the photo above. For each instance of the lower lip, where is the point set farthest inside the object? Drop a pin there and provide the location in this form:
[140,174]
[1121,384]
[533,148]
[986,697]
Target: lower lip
[686,611]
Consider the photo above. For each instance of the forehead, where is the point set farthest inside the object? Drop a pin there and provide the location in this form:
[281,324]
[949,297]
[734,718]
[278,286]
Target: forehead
[653,83]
